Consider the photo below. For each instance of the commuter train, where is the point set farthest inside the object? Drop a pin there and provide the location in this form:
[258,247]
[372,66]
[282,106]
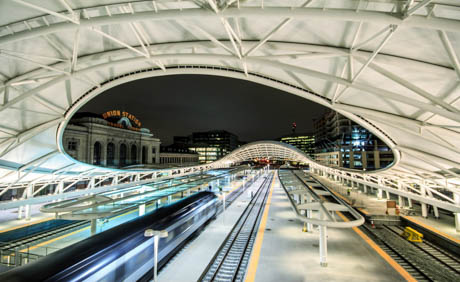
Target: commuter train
[123,253]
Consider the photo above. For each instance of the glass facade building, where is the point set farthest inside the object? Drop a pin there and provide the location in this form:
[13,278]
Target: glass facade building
[303,141]
[341,142]
[210,145]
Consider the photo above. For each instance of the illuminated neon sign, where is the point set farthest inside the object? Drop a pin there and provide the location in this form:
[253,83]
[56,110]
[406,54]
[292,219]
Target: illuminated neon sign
[121,114]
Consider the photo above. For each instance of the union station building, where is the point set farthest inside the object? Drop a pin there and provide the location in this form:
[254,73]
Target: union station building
[113,139]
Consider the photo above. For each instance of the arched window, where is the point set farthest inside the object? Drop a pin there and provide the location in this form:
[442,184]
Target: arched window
[97,153]
[144,154]
[133,154]
[123,151]
[110,154]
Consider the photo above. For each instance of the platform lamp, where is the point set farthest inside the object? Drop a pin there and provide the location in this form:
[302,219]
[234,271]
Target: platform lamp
[156,234]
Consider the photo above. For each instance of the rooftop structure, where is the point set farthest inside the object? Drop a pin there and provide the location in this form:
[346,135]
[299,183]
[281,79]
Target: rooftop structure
[390,66]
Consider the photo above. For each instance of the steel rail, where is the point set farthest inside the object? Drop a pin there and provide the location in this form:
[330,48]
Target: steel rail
[232,237]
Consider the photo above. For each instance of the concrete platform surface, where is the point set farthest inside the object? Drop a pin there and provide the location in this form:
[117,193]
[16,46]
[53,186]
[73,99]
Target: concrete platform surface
[288,254]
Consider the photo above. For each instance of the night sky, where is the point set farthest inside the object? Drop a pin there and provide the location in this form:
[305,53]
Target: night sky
[181,104]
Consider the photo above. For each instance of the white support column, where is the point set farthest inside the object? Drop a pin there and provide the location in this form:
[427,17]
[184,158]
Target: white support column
[29,193]
[142,210]
[91,183]
[424,206]
[400,198]
[457,215]
[309,225]
[322,243]
[20,212]
[93,226]
[60,187]
[380,191]
[436,212]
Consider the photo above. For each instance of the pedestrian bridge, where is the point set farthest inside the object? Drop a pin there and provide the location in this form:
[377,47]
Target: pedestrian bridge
[391,66]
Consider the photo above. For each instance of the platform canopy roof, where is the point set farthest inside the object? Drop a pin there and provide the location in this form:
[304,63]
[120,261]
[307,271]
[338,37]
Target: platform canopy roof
[390,65]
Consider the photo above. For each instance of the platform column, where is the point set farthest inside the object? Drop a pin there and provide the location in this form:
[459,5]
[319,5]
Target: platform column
[423,194]
[380,191]
[400,198]
[309,215]
[91,183]
[322,243]
[142,210]
[93,226]
[457,215]
[20,212]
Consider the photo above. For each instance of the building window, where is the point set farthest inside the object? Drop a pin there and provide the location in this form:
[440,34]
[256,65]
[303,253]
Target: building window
[123,153]
[144,155]
[133,154]
[110,154]
[97,153]
[72,145]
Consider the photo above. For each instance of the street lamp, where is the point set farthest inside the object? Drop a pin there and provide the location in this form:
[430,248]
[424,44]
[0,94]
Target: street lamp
[156,234]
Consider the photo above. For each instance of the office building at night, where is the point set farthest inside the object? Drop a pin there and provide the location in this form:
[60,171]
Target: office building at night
[341,142]
[210,145]
[303,141]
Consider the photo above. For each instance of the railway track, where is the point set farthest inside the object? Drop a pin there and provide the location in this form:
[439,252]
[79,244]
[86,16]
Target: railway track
[423,261]
[448,261]
[231,259]
[396,254]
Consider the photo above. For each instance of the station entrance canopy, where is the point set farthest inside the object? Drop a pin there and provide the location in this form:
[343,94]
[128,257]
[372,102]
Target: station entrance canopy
[391,66]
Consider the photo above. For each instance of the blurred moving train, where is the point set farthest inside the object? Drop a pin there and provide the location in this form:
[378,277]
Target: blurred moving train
[123,253]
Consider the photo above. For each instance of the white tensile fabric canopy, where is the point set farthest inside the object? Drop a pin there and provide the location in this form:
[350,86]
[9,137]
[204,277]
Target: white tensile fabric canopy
[392,66]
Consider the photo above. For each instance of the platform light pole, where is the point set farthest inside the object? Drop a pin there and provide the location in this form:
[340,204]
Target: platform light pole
[156,234]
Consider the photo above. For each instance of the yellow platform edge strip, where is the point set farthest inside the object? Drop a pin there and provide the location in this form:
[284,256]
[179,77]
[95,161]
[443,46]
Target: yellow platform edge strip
[254,261]
[381,252]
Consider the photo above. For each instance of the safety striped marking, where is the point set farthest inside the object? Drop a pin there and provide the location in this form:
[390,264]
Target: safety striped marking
[254,261]
[432,229]
[26,224]
[381,252]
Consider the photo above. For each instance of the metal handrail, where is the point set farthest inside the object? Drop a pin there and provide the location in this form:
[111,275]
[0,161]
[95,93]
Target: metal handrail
[333,224]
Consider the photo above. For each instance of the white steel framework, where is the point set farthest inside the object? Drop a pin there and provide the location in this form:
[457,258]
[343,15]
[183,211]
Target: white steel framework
[390,65]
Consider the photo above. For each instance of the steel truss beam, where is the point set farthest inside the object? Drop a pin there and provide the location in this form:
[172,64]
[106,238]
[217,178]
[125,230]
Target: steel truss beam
[386,18]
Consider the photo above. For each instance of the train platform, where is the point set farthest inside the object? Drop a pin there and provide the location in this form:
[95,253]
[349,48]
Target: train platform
[81,229]
[193,259]
[369,205]
[9,221]
[282,252]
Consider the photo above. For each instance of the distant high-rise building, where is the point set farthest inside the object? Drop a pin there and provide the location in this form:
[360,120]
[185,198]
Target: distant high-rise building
[303,141]
[341,142]
[212,145]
